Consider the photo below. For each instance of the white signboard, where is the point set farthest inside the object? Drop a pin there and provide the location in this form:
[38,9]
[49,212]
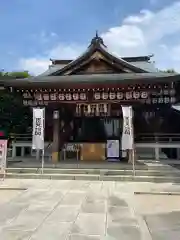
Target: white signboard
[38,128]
[3,154]
[113,149]
[127,134]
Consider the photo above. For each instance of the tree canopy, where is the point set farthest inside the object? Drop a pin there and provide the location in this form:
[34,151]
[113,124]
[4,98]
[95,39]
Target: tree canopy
[9,75]
[170,70]
[14,117]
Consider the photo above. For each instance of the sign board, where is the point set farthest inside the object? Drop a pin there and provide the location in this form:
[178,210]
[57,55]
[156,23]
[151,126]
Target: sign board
[38,128]
[3,155]
[127,134]
[2,134]
[112,149]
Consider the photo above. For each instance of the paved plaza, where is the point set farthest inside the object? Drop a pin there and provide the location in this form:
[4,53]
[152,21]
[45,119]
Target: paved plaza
[84,210]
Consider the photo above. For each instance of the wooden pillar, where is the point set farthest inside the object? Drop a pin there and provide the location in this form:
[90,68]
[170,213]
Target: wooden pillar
[56,132]
[178,153]
[22,151]
[132,155]
[129,153]
[13,150]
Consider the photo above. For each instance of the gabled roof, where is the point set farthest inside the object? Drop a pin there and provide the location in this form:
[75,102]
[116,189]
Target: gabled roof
[92,79]
[97,46]
[127,59]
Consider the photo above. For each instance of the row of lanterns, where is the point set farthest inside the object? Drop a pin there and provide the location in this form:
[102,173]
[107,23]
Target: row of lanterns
[83,96]
[90,107]
[96,96]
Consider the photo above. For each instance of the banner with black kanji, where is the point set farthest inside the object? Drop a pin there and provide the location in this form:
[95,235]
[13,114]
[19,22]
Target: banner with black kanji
[127,134]
[38,128]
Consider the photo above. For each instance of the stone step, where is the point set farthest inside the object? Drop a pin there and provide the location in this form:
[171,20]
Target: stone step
[140,165]
[95,177]
[105,172]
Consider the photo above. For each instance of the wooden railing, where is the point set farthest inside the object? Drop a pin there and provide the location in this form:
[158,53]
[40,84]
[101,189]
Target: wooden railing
[21,137]
[143,137]
[157,137]
[158,142]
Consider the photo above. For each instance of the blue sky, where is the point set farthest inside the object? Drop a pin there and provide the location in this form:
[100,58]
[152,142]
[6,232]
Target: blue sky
[33,31]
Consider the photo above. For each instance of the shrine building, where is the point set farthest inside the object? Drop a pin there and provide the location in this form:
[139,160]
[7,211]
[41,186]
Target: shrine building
[83,99]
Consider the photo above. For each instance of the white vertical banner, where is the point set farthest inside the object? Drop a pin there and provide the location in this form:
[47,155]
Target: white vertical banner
[38,128]
[3,155]
[127,134]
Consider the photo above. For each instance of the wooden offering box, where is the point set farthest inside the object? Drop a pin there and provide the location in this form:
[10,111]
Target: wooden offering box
[93,151]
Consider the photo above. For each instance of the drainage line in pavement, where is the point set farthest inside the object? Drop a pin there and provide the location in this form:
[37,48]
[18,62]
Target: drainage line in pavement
[13,189]
[157,193]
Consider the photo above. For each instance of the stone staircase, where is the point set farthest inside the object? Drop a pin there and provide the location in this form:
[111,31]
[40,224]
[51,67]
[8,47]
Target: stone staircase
[161,174]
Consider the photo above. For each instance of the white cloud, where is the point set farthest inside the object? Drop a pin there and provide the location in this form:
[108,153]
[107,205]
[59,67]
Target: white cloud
[145,33]
[63,51]
[53,34]
[34,65]
[164,23]
[140,34]
[125,40]
[144,16]
[38,64]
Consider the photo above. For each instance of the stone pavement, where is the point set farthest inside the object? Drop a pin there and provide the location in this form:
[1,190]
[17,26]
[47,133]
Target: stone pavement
[84,210]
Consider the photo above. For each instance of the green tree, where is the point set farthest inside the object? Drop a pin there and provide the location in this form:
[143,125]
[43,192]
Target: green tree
[14,117]
[11,75]
[24,74]
[170,70]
